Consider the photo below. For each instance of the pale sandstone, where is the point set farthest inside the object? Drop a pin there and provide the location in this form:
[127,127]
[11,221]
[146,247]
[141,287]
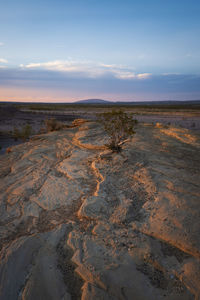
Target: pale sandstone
[130,219]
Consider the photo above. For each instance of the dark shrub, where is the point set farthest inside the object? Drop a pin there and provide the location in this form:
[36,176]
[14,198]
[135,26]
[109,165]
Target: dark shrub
[119,126]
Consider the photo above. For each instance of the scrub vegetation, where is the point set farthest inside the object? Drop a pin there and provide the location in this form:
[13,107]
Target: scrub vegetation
[53,125]
[119,126]
[24,133]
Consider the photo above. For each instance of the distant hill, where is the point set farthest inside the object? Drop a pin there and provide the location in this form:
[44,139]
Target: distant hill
[93,101]
[141,103]
[163,103]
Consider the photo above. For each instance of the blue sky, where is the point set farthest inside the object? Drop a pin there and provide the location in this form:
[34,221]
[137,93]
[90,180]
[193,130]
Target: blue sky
[119,50]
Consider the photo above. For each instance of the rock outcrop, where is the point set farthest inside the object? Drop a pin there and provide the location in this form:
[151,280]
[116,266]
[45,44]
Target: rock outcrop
[79,222]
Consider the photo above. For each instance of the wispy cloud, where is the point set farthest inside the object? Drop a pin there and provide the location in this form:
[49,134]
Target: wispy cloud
[143,75]
[122,72]
[1,44]
[87,69]
[76,68]
[3,61]
[37,82]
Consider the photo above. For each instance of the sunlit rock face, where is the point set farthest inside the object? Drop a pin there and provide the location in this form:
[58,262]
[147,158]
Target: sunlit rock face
[80,222]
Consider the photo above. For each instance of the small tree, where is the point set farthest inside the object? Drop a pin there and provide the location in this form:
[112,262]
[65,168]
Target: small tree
[119,126]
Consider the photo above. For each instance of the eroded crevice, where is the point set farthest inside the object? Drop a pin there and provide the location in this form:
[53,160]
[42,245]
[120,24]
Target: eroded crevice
[22,289]
[72,280]
[170,250]
[162,280]
[98,175]
[25,228]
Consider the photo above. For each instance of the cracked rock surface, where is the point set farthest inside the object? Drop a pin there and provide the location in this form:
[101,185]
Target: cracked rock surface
[80,222]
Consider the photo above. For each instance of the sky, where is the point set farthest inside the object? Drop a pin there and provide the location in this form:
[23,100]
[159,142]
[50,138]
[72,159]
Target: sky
[67,50]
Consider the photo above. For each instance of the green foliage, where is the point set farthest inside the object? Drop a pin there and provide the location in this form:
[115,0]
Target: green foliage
[119,126]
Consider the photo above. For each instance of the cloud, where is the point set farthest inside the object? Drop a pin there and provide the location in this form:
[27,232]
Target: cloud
[68,66]
[3,61]
[123,74]
[87,69]
[1,44]
[63,85]
[143,75]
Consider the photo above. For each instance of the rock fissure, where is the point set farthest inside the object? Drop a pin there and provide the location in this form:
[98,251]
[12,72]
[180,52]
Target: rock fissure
[101,225]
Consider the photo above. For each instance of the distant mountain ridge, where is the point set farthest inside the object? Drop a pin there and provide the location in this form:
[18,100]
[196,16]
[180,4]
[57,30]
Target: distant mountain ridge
[93,101]
[195,103]
[164,102]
